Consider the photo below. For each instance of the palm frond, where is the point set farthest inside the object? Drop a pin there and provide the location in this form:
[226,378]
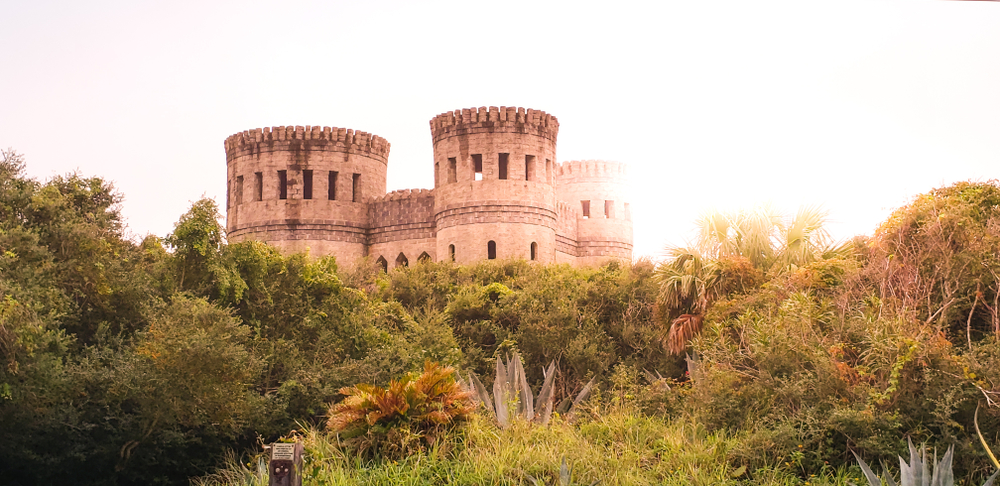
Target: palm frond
[682,330]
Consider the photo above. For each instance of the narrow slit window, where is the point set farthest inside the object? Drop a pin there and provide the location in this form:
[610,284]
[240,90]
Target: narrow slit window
[356,188]
[529,168]
[504,158]
[491,250]
[452,169]
[586,209]
[229,187]
[437,173]
[477,166]
[282,184]
[258,186]
[331,189]
[548,171]
[534,250]
[239,190]
[609,209]
[451,252]
[307,184]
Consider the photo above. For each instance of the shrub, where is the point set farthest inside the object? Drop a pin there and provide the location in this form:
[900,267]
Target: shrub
[411,413]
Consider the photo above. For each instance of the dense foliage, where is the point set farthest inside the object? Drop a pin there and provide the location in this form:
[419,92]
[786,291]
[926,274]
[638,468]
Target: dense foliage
[125,362]
[144,363]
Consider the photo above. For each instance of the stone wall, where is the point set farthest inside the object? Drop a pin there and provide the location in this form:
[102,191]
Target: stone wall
[496,182]
[402,222]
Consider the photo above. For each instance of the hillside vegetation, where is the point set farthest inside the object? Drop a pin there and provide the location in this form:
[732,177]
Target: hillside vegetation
[154,362]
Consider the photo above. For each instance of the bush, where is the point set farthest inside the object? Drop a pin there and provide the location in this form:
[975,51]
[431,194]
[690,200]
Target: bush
[403,418]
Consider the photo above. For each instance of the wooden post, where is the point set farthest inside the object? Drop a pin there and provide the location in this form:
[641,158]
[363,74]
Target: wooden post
[285,466]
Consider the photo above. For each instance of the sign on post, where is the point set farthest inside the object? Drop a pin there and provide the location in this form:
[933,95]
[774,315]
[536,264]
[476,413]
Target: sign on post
[285,466]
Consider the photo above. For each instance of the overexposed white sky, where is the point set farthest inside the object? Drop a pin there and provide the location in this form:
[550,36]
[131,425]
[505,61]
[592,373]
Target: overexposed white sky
[854,104]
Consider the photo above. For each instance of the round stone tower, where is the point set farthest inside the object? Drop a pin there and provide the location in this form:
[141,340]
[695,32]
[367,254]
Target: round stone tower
[302,188]
[604,220]
[493,184]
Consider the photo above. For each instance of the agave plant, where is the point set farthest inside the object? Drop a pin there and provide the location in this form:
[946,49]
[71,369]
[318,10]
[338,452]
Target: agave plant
[512,397]
[565,477]
[921,471]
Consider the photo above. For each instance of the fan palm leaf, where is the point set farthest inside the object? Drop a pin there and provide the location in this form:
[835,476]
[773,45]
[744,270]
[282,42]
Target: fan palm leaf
[682,330]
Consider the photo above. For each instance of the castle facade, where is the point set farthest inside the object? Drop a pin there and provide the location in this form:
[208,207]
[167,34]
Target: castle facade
[498,193]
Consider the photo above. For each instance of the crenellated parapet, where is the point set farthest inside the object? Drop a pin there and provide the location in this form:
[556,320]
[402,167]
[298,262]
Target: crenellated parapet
[566,212]
[401,194]
[493,119]
[591,169]
[270,139]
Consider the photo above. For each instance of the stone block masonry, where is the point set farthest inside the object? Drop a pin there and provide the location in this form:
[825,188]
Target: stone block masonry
[498,193]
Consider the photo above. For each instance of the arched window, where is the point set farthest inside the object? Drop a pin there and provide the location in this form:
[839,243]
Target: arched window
[382,263]
[424,257]
[534,250]
[401,260]
[491,250]
[451,252]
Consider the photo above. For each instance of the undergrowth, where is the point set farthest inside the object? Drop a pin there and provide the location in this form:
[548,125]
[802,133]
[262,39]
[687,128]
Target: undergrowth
[619,447]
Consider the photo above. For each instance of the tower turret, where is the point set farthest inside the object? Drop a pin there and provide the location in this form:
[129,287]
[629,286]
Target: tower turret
[304,187]
[604,219]
[493,180]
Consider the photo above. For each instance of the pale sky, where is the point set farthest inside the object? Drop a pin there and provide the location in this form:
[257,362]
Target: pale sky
[856,105]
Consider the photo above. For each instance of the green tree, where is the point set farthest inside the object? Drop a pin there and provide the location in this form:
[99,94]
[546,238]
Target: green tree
[733,252]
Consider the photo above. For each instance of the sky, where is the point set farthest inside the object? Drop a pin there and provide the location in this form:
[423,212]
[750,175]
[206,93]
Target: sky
[857,106]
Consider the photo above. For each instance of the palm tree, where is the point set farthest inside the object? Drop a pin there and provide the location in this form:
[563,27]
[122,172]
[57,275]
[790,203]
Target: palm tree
[687,287]
[692,278]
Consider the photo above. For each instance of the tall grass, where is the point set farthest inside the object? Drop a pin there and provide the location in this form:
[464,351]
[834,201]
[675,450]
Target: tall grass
[620,447]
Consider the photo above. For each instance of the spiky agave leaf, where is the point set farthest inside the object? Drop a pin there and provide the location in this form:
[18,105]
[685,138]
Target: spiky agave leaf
[526,400]
[873,479]
[992,479]
[584,393]
[545,395]
[912,473]
[943,474]
[565,473]
[889,481]
[500,395]
[484,396]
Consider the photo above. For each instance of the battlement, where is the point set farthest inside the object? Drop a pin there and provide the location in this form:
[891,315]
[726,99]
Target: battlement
[566,211]
[401,194]
[599,169]
[316,137]
[502,119]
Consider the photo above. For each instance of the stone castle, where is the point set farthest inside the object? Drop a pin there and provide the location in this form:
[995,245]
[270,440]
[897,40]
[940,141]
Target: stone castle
[498,193]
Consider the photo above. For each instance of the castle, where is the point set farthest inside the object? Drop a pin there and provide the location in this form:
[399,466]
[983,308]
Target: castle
[498,193]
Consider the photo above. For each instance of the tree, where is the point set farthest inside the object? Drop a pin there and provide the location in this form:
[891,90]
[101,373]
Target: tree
[734,250]
[197,242]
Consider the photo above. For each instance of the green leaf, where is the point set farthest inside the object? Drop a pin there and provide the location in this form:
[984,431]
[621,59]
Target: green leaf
[873,479]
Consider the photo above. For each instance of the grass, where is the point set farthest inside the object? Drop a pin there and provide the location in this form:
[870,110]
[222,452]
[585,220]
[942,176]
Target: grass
[620,448]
